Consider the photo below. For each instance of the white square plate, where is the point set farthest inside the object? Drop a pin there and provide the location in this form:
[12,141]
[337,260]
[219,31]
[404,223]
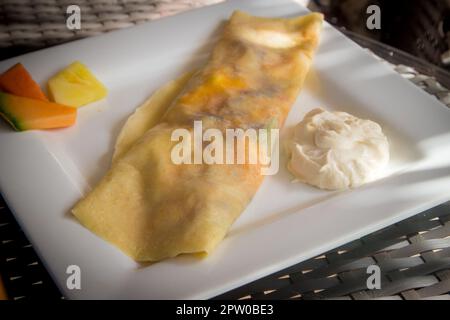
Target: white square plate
[43,173]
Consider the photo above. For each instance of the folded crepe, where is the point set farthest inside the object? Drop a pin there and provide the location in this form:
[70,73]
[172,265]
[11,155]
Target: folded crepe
[148,114]
[152,208]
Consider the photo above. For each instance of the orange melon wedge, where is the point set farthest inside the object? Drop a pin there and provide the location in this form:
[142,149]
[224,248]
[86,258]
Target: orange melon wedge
[19,82]
[28,114]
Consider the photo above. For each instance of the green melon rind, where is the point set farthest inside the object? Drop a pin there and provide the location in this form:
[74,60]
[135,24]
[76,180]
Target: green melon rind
[8,115]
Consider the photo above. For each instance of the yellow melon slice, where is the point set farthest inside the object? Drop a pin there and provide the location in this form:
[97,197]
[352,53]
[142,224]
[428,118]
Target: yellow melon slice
[76,86]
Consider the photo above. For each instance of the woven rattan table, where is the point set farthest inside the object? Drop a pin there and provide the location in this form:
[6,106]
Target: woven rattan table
[413,255]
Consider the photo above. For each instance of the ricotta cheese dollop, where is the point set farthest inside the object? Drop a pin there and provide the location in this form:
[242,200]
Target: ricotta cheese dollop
[335,150]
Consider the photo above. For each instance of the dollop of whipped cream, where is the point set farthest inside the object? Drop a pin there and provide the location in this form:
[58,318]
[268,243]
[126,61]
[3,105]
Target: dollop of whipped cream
[335,150]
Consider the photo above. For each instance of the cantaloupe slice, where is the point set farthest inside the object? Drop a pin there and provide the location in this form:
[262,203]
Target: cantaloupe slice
[76,86]
[27,114]
[19,82]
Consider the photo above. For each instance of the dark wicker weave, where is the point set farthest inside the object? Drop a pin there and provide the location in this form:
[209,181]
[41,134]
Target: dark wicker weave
[414,258]
[21,270]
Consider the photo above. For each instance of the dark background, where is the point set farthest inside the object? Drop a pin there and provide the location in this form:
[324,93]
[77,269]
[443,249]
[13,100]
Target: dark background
[419,27]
